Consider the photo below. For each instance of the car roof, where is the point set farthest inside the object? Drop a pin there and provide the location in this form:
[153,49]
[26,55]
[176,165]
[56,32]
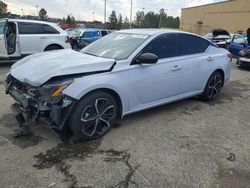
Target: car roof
[31,21]
[151,31]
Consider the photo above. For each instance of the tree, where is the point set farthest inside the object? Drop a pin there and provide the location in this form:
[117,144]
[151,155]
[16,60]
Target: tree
[113,20]
[120,21]
[43,14]
[3,9]
[125,24]
[139,18]
[126,20]
[70,19]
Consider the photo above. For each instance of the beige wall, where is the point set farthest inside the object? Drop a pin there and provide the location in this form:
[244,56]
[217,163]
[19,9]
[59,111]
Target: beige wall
[233,16]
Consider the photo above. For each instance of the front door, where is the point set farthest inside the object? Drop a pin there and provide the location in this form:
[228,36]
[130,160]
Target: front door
[155,82]
[3,44]
[238,43]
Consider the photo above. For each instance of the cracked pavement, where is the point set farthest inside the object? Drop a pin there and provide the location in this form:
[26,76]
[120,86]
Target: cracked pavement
[183,144]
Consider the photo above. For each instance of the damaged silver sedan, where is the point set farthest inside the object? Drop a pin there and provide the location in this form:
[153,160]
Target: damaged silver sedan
[80,95]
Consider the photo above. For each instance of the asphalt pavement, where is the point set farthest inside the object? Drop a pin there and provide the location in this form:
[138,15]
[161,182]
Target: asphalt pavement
[187,144]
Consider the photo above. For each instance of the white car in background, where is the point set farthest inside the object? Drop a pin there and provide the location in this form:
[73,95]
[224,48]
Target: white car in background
[19,38]
[122,73]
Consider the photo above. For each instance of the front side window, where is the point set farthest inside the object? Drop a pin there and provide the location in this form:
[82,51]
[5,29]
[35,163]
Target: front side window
[191,44]
[239,40]
[29,28]
[164,46]
[117,46]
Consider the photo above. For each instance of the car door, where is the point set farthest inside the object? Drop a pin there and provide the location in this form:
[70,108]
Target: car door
[152,83]
[194,66]
[238,43]
[30,38]
[3,47]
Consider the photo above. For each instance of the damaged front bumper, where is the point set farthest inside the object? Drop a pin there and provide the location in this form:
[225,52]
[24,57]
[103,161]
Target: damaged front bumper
[31,106]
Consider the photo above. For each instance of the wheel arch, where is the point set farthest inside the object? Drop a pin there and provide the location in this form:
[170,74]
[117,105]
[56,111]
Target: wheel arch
[113,94]
[223,74]
[53,44]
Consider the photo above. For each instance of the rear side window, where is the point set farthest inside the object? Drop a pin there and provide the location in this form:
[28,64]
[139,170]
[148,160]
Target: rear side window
[190,44]
[164,46]
[46,29]
[28,28]
[35,28]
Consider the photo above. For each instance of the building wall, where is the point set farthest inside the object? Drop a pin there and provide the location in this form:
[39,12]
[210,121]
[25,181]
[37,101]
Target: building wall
[232,15]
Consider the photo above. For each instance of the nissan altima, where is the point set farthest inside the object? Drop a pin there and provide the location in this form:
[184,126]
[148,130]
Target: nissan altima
[85,92]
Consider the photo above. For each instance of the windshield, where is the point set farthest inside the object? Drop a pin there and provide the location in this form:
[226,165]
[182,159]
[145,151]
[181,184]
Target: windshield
[117,46]
[2,26]
[75,32]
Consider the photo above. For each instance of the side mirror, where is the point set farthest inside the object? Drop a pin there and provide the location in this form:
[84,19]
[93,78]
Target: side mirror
[147,58]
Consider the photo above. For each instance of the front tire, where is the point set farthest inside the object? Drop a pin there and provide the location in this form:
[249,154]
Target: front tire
[93,116]
[213,87]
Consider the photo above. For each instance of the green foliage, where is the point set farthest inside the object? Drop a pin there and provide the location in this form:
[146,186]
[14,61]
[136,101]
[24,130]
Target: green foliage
[119,23]
[3,9]
[113,20]
[43,14]
[156,20]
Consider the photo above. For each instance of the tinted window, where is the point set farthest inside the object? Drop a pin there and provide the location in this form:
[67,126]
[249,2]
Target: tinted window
[190,44]
[104,33]
[28,28]
[163,46]
[46,29]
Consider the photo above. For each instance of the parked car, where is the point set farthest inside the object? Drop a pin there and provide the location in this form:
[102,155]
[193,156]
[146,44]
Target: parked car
[125,72]
[238,43]
[19,38]
[83,37]
[219,37]
[243,59]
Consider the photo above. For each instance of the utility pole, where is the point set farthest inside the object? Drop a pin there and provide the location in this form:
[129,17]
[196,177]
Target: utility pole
[37,8]
[105,10]
[93,14]
[131,14]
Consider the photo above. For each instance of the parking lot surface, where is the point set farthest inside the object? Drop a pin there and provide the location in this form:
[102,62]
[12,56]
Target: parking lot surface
[185,144]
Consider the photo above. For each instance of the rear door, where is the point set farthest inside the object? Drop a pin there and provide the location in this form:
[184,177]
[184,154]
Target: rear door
[30,37]
[3,47]
[195,62]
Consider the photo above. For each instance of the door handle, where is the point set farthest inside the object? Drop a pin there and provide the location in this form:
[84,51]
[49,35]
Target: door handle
[43,37]
[176,68]
[210,58]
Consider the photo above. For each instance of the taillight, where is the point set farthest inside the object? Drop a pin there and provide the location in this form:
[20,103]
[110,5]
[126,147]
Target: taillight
[68,39]
[230,56]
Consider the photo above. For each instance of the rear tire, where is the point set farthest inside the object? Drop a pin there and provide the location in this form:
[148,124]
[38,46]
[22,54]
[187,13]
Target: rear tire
[93,116]
[213,87]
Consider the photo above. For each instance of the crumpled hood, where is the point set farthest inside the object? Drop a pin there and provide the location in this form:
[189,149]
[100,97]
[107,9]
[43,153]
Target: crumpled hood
[39,68]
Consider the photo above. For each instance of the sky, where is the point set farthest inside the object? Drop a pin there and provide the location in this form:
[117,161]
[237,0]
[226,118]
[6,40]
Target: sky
[94,9]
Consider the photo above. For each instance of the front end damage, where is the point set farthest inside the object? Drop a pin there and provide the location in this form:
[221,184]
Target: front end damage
[46,103]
